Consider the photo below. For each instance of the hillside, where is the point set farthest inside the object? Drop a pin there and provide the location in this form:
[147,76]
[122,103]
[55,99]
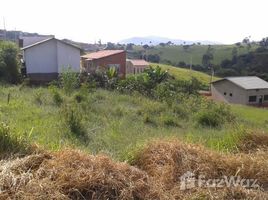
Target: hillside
[186,74]
[177,53]
[156,40]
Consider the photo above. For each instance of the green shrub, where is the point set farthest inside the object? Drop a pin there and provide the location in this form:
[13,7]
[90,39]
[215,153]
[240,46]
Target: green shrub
[10,143]
[168,120]
[69,80]
[215,115]
[72,117]
[56,96]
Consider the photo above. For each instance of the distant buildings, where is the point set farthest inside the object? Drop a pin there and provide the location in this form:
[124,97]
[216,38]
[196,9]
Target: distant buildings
[44,60]
[136,66]
[105,59]
[248,90]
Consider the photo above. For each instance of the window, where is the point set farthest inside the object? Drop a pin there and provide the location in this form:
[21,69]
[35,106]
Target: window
[252,99]
[224,93]
[231,94]
[266,97]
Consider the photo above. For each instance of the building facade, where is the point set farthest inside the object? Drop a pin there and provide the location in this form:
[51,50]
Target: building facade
[136,66]
[45,60]
[241,90]
[102,60]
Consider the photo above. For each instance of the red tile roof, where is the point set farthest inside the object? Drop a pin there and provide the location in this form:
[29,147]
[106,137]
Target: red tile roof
[139,62]
[101,54]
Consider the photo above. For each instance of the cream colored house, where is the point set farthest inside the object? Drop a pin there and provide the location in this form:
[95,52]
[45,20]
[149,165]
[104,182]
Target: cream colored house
[248,90]
[136,66]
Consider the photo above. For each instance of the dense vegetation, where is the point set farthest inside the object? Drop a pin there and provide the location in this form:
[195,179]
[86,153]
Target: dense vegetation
[9,63]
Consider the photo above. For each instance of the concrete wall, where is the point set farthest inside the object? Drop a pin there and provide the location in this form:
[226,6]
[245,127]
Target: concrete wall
[221,91]
[226,91]
[68,56]
[41,58]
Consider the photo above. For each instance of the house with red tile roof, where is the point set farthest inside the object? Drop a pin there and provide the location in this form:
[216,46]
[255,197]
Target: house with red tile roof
[136,66]
[103,60]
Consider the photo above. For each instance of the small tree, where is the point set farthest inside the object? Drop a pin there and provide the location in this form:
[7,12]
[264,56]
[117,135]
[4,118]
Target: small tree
[69,80]
[9,63]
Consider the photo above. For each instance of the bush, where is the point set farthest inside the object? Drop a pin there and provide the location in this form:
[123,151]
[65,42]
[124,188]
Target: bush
[56,96]
[9,143]
[9,63]
[215,115]
[69,80]
[73,119]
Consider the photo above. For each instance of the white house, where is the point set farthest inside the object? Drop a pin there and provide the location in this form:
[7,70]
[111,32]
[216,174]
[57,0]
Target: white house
[247,90]
[44,60]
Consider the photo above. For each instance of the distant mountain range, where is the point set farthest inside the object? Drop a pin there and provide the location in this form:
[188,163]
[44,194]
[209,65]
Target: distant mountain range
[155,40]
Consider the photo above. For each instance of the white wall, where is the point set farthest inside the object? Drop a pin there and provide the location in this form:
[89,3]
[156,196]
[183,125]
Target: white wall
[42,58]
[68,56]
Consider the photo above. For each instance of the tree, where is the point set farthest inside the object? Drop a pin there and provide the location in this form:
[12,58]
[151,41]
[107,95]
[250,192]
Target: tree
[129,46]
[155,58]
[9,62]
[234,52]
[146,46]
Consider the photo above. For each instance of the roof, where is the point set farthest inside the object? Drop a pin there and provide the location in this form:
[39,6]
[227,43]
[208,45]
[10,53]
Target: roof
[101,54]
[247,82]
[138,62]
[48,39]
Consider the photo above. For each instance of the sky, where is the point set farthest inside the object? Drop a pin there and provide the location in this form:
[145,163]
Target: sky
[224,21]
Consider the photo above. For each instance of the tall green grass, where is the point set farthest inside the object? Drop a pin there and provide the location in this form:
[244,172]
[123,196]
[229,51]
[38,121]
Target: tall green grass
[114,123]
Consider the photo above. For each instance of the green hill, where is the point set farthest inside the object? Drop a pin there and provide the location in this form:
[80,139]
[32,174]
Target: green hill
[186,74]
[178,53]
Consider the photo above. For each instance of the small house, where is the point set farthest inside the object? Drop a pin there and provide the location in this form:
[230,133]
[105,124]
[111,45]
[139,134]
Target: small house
[103,60]
[136,66]
[45,60]
[248,90]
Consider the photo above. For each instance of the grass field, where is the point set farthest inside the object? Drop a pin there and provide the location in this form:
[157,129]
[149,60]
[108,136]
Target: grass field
[194,54]
[115,124]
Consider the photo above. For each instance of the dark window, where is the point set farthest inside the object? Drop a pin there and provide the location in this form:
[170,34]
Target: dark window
[266,97]
[252,99]
[231,94]
[224,93]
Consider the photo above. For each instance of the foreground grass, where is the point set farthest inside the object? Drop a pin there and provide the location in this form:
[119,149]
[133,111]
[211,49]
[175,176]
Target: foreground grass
[114,124]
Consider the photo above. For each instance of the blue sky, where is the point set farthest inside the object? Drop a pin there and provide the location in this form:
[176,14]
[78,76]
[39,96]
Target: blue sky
[225,21]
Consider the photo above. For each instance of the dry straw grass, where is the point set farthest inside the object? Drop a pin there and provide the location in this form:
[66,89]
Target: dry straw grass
[75,175]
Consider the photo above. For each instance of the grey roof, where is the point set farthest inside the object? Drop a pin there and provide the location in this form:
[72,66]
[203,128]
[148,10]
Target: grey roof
[48,39]
[247,82]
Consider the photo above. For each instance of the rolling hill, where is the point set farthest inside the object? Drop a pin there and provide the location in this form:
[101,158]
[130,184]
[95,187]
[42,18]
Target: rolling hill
[177,53]
[155,40]
[186,74]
